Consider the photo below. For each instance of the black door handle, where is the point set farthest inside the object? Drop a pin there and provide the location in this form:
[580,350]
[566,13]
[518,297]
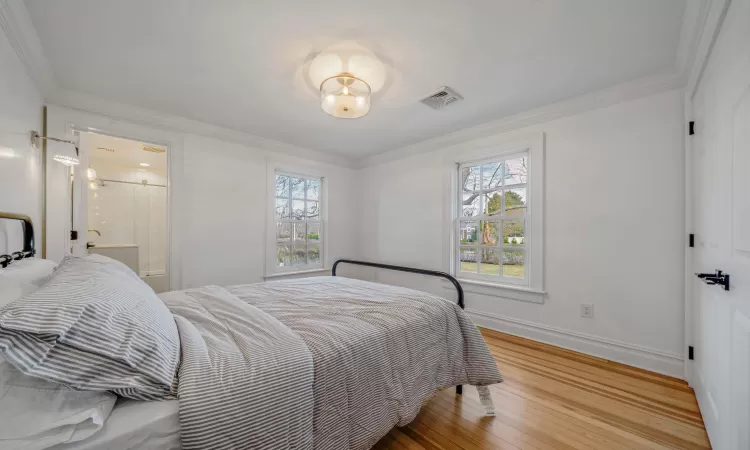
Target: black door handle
[720,278]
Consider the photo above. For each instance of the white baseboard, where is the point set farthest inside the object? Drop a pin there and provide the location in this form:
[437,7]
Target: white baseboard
[633,355]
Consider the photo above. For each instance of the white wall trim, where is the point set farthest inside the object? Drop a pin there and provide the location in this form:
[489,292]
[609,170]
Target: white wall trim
[642,87]
[693,23]
[707,29]
[143,116]
[504,291]
[16,23]
[633,355]
[689,228]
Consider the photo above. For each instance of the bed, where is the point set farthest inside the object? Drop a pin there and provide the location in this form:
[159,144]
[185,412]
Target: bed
[317,363]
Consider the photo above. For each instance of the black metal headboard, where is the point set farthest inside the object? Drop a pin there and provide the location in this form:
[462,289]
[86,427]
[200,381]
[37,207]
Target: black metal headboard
[28,250]
[432,273]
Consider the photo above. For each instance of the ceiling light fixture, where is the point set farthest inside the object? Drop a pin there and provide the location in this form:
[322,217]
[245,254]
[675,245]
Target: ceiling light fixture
[345,96]
[347,75]
[91,174]
[145,164]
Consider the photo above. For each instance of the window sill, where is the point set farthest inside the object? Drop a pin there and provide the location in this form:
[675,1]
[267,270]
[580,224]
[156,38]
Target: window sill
[508,291]
[297,273]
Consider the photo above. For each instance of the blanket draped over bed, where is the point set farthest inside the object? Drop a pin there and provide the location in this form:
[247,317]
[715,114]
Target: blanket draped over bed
[316,363]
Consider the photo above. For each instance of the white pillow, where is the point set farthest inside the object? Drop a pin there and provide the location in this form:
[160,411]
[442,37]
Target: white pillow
[31,270]
[36,414]
[11,290]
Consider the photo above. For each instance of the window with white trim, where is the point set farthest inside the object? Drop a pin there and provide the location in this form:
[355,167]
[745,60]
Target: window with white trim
[493,237]
[298,223]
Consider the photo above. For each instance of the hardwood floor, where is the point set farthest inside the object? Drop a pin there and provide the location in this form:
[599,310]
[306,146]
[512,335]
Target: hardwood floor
[558,399]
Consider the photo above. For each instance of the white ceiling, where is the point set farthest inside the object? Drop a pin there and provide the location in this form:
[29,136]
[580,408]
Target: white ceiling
[236,63]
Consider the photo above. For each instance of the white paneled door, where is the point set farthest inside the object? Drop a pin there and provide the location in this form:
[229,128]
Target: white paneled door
[720,205]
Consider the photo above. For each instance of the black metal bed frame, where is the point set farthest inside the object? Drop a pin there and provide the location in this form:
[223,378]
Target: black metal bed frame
[29,251]
[28,239]
[433,273]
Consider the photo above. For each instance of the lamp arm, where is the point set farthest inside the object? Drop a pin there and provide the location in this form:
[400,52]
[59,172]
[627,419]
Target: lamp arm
[35,136]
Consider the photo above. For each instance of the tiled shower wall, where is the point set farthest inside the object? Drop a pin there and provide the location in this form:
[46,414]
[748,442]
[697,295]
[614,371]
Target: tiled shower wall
[127,214]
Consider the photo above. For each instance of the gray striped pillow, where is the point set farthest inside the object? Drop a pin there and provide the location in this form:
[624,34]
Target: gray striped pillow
[94,325]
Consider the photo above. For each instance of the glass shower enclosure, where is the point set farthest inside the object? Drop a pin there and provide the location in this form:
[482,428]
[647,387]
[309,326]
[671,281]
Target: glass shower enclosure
[123,213]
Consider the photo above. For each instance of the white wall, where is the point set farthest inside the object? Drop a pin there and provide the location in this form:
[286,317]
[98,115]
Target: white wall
[217,201]
[226,185]
[20,163]
[613,175]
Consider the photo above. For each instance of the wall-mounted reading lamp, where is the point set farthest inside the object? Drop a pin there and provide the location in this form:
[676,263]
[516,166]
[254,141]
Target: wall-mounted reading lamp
[63,157]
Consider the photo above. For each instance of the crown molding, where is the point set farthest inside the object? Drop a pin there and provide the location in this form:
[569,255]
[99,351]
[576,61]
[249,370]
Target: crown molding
[16,23]
[142,116]
[707,30]
[693,23]
[641,87]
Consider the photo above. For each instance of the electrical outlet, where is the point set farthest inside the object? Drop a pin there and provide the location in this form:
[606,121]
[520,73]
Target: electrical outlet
[587,311]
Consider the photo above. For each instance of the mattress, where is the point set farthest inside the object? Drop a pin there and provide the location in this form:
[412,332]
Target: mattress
[135,425]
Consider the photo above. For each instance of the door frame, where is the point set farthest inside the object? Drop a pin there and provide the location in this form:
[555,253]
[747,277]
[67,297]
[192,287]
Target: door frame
[711,17]
[689,229]
[85,126]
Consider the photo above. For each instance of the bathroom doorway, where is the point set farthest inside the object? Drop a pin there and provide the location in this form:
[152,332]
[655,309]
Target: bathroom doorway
[126,204]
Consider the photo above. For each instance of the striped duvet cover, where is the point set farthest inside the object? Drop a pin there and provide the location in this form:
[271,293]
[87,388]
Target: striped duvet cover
[316,363]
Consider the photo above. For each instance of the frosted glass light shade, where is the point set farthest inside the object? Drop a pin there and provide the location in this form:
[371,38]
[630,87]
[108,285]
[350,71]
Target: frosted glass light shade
[91,174]
[324,66]
[345,96]
[348,57]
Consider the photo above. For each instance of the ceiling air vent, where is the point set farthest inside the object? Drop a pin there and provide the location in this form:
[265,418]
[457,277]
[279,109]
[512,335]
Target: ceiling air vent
[442,98]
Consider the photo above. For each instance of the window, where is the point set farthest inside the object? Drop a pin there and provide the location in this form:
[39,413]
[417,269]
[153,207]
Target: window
[297,218]
[492,238]
[497,217]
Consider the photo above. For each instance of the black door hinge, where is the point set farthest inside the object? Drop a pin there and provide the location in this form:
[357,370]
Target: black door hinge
[691,240]
[691,353]
[73,235]
[691,128]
